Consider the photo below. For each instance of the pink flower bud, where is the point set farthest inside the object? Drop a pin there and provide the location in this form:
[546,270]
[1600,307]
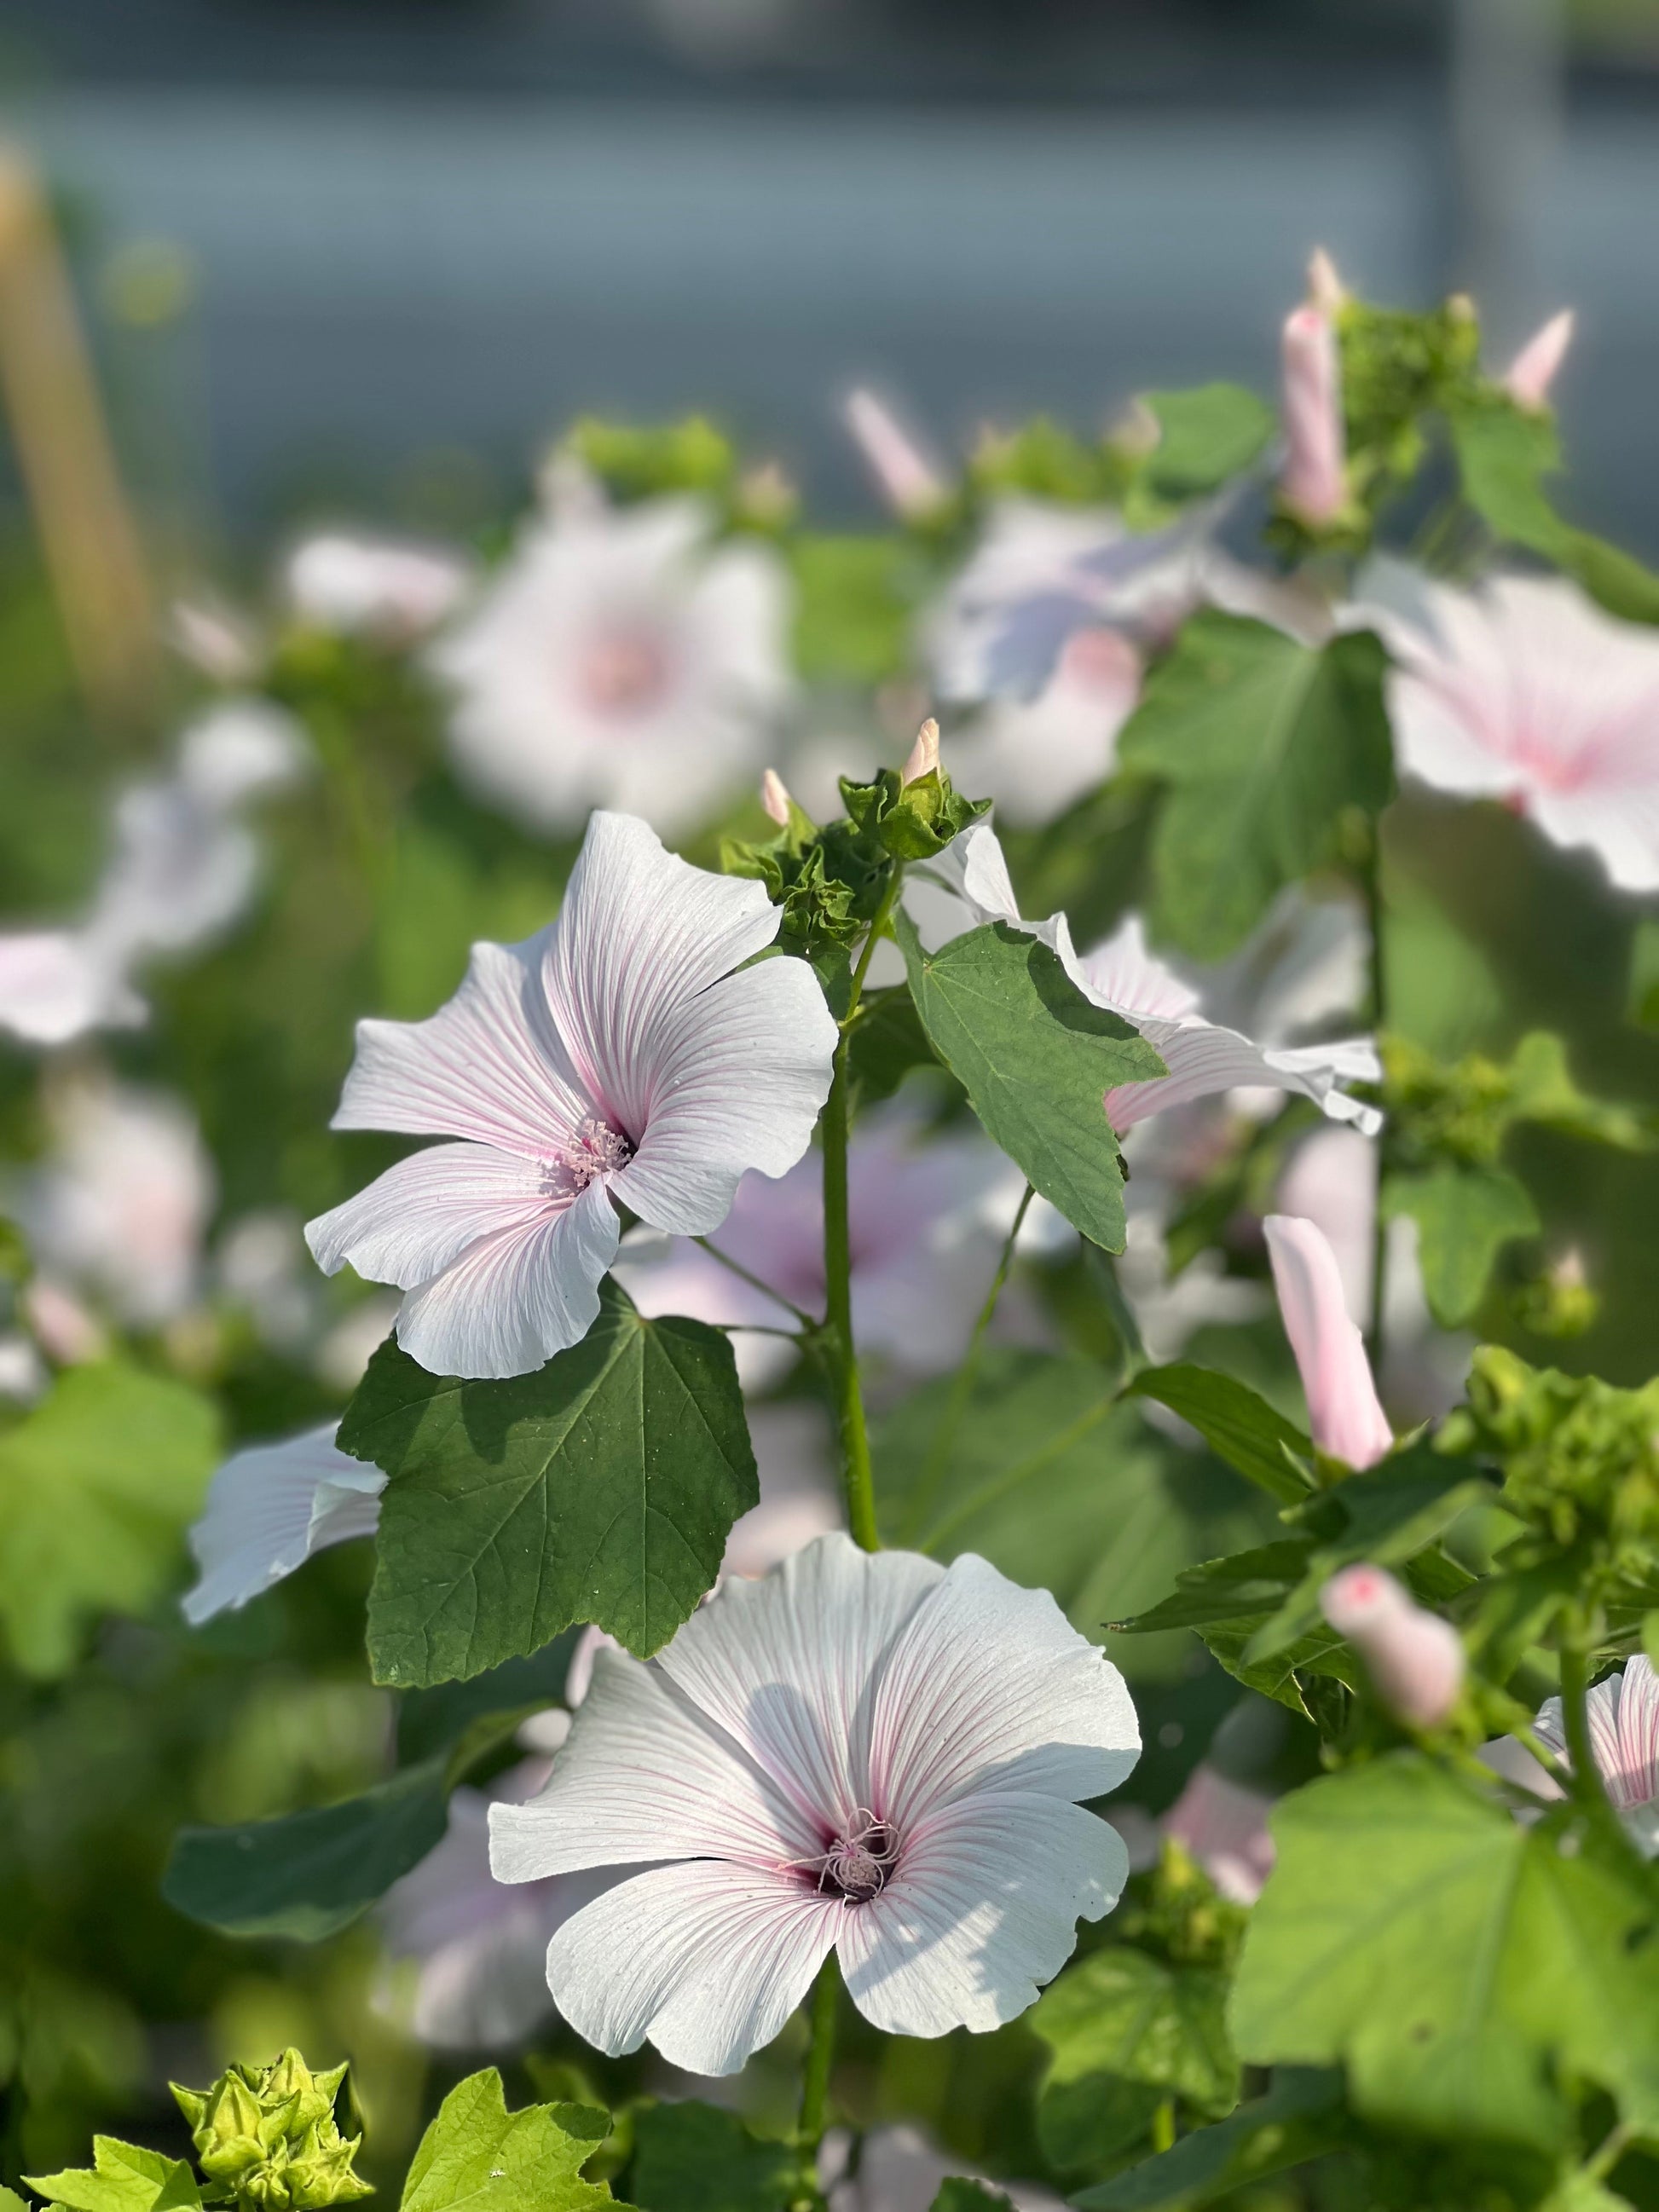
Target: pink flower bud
[1530,374]
[907,479]
[775,798]
[1326,289]
[924,754]
[1343,1410]
[1223,1825]
[1415,1660]
[1312,483]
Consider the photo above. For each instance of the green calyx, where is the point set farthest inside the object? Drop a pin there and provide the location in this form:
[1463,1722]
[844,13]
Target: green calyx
[1177,1913]
[269,2136]
[1580,1459]
[912,821]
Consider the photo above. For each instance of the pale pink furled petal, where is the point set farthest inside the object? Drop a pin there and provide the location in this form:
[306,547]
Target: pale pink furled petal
[117,1209]
[1529,377]
[707,1957]
[982,1911]
[1202,1057]
[1223,1826]
[621,659]
[215,640]
[923,756]
[1524,690]
[1313,482]
[62,1328]
[775,798]
[1326,289]
[57,984]
[1343,1412]
[1623,1711]
[1414,1658]
[910,482]
[374,588]
[269,1507]
[775,1751]
[616,1057]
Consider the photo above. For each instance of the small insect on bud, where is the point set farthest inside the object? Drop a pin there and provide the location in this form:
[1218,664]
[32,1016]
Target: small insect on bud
[924,754]
[1529,377]
[1415,1660]
[775,798]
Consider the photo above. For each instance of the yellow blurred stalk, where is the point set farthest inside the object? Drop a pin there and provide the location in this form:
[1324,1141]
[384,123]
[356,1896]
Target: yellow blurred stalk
[67,466]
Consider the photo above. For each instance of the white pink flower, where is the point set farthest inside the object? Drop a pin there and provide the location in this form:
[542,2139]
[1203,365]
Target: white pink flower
[1036,757]
[1344,1414]
[1223,1826]
[926,1218]
[1623,1711]
[1529,377]
[116,1210]
[1313,480]
[615,1059]
[623,658]
[863,1752]
[1524,691]
[269,1507]
[909,481]
[382,589]
[1414,1658]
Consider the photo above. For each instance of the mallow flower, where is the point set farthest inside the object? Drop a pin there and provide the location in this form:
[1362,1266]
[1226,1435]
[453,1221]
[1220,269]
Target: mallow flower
[385,589]
[863,1752]
[621,658]
[1344,1414]
[1623,1712]
[1524,690]
[626,1056]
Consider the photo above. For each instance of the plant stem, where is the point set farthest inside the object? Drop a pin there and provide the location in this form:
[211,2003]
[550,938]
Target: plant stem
[961,1388]
[1586,1777]
[756,1284]
[815,2081]
[858,1476]
[1371,885]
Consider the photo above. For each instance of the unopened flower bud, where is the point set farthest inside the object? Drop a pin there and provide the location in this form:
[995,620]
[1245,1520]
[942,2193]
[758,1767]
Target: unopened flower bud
[924,754]
[1313,484]
[1326,289]
[1529,377]
[1344,1413]
[268,2134]
[907,481]
[1415,1660]
[775,798]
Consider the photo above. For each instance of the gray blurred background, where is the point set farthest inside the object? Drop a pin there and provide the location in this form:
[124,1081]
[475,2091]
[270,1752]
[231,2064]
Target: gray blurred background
[370,252]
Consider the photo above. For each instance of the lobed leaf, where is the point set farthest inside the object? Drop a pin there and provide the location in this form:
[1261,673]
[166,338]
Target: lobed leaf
[478,2155]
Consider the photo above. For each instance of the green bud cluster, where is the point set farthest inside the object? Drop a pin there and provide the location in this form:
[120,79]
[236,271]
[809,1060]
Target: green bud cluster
[1175,1912]
[1461,1112]
[1397,368]
[645,462]
[1043,461]
[1580,1459]
[267,2135]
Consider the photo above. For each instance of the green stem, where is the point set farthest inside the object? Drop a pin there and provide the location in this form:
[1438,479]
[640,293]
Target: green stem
[1586,1777]
[858,1476]
[961,1388]
[1371,885]
[815,2083]
[765,1290]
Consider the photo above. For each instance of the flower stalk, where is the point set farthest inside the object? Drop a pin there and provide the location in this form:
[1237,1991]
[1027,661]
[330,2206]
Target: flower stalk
[815,2083]
[858,1475]
[1370,875]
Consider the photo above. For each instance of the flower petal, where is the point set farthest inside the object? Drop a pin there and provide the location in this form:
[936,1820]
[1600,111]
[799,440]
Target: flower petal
[982,1909]
[517,1295]
[487,1065]
[269,1509]
[55,985]
[643,1775]
[420,1216]
[706,1959]
[991,1689]
[785,1666]
[1343,1411]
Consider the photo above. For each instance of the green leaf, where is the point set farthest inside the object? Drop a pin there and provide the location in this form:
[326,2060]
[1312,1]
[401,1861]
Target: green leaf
[1465,1215]
[1455,1962]
[696,2158]
[1209,436]
[1300,2118]
[122,2177]
[1504,453]
[1237,1423]
[1642,1004]
[601,1488]
[1126,2033]
[1263,743]
[1543,1090]
[309,1875]
[958,2194]
[479,2154]
[436,1719]
[1245,1585]
[97,1483]
[1037,1060]
[886,1041]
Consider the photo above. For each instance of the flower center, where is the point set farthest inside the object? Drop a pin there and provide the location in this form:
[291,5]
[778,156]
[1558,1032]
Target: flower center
[596,1149]
[623,672]
[858,1862]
